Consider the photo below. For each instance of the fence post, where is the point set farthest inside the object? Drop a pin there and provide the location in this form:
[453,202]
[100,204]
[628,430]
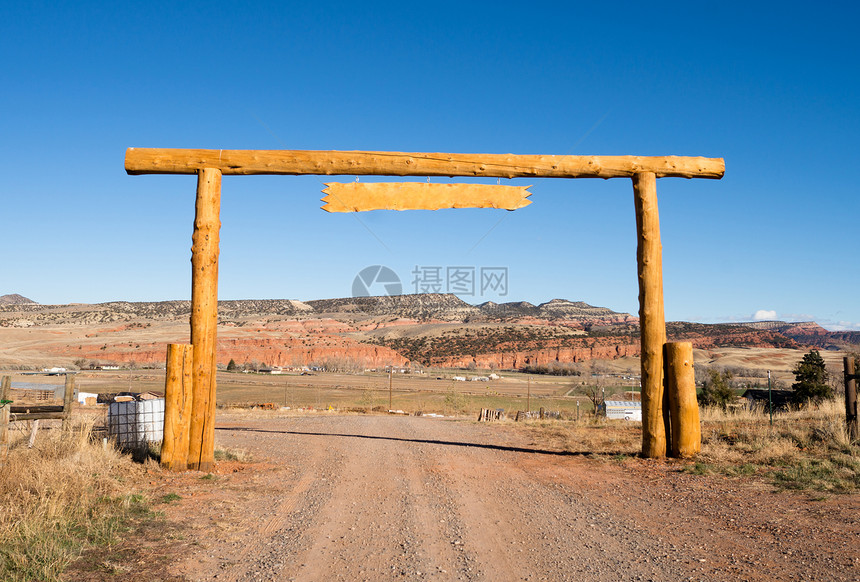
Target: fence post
[684,409]
[177,407]
[5,389]
[851,420]
[68,398]
[33,430]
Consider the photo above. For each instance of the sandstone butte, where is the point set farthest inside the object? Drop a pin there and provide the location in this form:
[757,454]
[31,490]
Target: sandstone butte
[363,332]
[272,352]
[321,347]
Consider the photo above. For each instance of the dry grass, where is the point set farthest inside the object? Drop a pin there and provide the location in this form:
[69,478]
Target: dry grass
[589,435]
[232,454]
[804,449]
[60,497]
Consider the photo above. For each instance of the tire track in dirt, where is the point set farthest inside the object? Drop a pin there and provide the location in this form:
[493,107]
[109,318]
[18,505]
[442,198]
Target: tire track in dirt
[271,505]
[287,506]
[397,530]
[435,513]
[523,528]
[373,526]
[255,541]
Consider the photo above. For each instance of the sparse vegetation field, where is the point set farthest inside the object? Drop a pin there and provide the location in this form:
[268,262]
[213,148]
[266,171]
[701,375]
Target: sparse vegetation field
[64,496]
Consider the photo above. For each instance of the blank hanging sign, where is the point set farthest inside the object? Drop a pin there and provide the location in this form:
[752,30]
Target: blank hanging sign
[362,196]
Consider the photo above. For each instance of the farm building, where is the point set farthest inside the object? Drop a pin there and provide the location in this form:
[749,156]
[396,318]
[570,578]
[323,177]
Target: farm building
[756,397]
[623,410]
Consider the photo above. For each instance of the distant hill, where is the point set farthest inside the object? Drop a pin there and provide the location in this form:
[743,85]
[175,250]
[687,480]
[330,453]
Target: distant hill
[556,309]
[420,306]
[15,299]
[14,314]
[431,329]
[449,307]
[810,333]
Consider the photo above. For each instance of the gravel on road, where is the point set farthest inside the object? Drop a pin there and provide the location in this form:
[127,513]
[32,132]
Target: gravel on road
[374,497]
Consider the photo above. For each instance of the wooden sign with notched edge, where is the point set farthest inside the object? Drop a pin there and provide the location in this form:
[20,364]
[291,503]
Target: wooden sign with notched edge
[361,196]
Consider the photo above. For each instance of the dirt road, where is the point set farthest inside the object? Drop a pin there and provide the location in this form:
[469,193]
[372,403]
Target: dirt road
[391,498]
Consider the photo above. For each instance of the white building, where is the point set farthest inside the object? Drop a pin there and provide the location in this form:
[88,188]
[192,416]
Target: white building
[624,410]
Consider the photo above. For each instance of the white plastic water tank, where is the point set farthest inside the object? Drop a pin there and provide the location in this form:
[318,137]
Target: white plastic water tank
[136,423]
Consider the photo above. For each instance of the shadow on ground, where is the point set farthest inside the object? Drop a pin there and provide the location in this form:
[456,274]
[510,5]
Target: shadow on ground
[423,441]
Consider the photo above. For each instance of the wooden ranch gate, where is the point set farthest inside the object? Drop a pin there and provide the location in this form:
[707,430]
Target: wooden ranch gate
[210,165]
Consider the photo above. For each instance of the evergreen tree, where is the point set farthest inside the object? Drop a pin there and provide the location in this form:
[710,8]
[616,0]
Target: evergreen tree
[811,380]
[231,365]
[717,389]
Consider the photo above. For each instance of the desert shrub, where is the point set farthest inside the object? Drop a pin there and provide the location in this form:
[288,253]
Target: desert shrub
[553,369]
[455,401]
[368,399]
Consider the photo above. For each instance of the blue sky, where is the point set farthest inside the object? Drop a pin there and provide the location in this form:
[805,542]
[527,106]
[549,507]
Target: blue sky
[772,88]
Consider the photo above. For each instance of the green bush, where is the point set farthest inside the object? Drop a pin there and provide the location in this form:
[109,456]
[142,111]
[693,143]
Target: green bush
[717,389]
[811,380]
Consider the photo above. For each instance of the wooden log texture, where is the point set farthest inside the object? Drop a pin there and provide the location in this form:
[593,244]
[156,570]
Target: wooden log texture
[364,163]
[652,323]
[5,390]
[68,399]
[27,408]
[362,196]
[851,419]
[684,408]
[37,416]
[177,407]
[204,318]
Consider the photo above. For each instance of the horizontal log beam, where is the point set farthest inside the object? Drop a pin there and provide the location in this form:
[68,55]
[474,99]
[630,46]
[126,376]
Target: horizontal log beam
[37,416]
[354,163]
[23,408]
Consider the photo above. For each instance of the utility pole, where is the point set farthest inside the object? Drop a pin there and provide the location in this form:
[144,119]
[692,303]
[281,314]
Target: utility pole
[769,398]
[389,389]
[529,394]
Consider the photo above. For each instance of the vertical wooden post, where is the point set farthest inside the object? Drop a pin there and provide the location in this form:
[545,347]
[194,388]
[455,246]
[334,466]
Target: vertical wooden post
[33,430]
[5,390]
[204,318]
[177,407]
[851,419]
[652,323]
[68,398]
[681,389]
